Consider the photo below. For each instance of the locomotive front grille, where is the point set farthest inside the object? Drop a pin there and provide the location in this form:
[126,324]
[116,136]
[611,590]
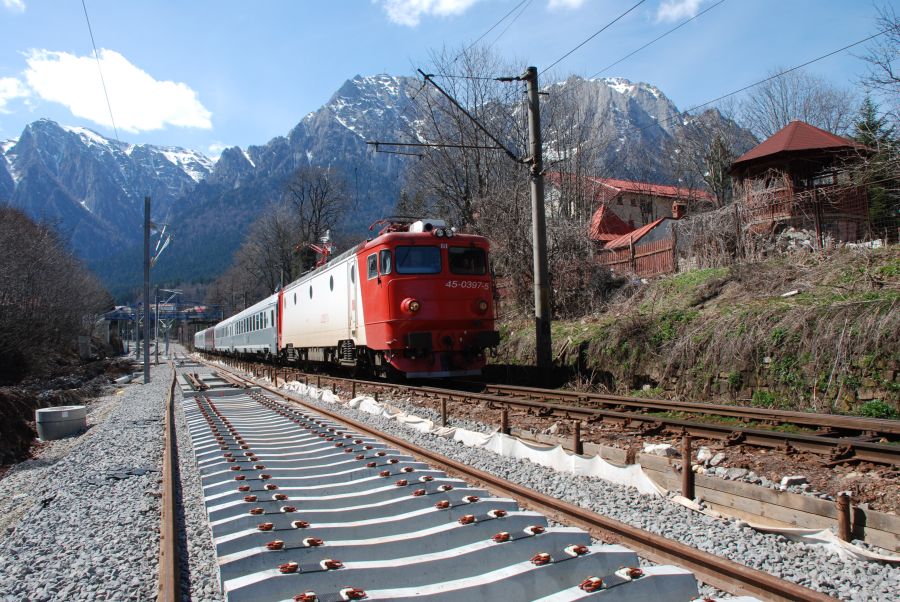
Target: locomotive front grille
[419,340]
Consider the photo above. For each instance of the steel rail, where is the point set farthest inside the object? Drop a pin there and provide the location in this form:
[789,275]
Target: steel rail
[169,588]
[852,423]
[835,448]
[719,572]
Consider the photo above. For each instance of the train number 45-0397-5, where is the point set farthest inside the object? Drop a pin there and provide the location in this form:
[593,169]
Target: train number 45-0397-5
[467,284]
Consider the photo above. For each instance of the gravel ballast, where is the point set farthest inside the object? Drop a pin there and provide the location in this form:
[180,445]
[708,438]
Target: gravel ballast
[806,565]
[81,520]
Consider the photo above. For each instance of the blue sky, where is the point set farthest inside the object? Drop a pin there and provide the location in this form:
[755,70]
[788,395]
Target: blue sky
[208,74]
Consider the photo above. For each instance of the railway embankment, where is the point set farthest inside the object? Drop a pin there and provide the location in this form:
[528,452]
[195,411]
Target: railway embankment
[802,331]
[79,520]
[66,380]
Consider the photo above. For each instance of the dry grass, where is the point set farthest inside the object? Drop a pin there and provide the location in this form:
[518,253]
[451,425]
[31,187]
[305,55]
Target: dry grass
[729,332]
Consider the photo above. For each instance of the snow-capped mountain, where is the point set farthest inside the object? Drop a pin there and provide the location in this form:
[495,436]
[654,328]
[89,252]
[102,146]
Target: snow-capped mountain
[94,187]
[243,181]
[91,186]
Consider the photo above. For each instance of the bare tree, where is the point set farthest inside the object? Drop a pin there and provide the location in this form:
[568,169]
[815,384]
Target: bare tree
[47,297]
[702,151]
[459,182]
[798,96]
[319,199]
[482,189]
[882,78]
[268,253]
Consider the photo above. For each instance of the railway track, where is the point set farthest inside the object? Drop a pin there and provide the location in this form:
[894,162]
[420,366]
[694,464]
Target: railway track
[319,511]
[369,495]
[836,438]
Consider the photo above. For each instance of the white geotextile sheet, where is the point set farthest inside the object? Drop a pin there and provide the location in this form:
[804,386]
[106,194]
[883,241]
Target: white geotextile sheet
[556,458]
[326,395]
[813,537]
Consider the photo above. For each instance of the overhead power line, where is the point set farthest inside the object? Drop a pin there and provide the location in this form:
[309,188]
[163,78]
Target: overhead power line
[656,39]
[786,71]
[380,143]
[100,69]
[592,36]
[492,28]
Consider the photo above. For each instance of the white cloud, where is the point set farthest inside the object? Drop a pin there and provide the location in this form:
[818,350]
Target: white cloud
[16,6]
[410,12]
[139,102]
[672,10]
[215,150]
[564,4]
[10,89]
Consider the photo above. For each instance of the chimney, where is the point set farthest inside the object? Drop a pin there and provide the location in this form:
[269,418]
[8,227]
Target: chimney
[678,210]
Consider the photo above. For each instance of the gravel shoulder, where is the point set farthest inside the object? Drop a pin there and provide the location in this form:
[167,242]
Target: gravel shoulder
[81,519]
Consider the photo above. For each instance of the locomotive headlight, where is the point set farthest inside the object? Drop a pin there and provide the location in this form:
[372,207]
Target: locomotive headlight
[482,306]
[410,305]
[450,232]
[439,233]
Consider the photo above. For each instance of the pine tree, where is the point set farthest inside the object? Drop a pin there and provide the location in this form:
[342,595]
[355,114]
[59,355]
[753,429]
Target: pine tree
[881,175]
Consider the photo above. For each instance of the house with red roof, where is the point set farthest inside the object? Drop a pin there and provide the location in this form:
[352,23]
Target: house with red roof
[621,206]
[801,177]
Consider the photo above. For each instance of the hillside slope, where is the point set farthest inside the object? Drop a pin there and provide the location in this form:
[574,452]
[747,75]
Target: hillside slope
[798,331]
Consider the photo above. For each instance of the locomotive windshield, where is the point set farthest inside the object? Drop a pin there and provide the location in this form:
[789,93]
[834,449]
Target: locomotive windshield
[417,260]
[467,260]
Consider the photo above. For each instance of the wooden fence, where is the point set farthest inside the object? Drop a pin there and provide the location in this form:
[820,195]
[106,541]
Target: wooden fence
[642,260]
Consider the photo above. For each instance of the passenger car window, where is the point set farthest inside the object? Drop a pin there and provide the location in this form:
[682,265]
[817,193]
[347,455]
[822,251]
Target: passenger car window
[467,260]
[372,266]
[418,260]
[385,261]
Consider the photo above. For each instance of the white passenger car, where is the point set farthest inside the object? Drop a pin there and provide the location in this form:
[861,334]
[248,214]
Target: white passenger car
[253,331]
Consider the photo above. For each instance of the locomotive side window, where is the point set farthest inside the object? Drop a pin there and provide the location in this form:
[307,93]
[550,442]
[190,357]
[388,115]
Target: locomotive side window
[371,266]
[353,274]
[467,260]
[418,260]
[331,282]
[385,260]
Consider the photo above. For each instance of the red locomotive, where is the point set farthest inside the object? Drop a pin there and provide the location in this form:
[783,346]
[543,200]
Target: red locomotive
[416,300]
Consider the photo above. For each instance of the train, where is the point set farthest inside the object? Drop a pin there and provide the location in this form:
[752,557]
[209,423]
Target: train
[416,301]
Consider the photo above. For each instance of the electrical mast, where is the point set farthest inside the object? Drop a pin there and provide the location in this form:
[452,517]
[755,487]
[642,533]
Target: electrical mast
[543,339]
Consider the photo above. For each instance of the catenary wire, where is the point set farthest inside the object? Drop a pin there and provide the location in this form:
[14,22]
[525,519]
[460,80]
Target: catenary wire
[592,36]
[656,39]
[100,69]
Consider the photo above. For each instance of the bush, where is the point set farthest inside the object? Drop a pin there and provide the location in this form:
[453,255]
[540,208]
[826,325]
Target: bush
[764,399]
[877,409]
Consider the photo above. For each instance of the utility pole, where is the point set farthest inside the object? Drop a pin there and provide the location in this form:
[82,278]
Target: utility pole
[156,316]
[137,340]
[146,289]
[543,340]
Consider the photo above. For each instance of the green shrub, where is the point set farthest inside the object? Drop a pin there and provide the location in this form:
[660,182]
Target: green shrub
[763,399]
[877,409]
